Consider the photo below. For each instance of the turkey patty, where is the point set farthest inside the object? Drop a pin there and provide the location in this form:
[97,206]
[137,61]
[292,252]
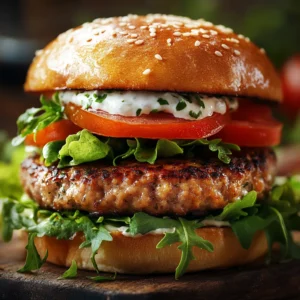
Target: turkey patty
[169,187]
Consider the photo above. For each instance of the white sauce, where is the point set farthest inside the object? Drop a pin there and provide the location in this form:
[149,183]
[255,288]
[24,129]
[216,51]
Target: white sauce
[133,103]
[124,229]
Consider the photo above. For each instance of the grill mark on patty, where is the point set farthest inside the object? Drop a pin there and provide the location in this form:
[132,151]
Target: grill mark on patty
[169,187]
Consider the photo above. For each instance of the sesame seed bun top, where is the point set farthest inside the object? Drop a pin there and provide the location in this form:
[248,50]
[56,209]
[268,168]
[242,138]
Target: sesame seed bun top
[154,52]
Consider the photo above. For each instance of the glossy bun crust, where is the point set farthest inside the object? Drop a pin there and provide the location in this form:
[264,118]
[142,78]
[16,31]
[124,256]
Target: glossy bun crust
[154,52]
[140,256]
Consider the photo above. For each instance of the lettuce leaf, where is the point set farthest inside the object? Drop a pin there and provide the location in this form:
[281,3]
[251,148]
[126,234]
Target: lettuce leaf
[84,147]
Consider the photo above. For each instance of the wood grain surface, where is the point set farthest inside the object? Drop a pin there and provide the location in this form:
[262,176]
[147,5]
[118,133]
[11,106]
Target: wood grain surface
[278,281]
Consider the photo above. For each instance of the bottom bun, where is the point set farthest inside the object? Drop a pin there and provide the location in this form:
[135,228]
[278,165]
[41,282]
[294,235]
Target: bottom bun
[139,255]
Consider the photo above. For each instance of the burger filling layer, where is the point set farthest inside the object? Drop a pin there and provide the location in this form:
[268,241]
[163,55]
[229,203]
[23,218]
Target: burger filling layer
[110,161]
[188,106]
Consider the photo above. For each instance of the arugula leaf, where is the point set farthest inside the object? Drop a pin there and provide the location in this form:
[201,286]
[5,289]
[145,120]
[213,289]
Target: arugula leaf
[102,278]
[71,272]
[184,233]
[246,228]
[33,259]
[35,119]
[235,209]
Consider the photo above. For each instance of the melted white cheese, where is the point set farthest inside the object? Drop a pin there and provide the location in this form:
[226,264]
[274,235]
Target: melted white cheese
[135,103]
[124,230]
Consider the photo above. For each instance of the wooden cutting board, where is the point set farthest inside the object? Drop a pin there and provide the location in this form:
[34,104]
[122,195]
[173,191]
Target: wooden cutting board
[278,281]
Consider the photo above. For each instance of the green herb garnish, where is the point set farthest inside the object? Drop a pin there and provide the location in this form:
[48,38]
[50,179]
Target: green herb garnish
[138,112]
[195,115]
[100,98]
[162,101]
[180,105]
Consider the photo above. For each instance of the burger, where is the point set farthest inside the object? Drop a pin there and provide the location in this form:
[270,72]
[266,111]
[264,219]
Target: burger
[151,151]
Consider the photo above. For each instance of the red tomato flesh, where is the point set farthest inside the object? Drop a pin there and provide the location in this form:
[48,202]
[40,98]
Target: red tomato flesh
[252,125]
[57,131]
[153,126]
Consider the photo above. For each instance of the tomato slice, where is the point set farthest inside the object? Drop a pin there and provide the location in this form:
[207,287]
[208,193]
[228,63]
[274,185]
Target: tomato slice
[252,125]
[153,126]
[57,131]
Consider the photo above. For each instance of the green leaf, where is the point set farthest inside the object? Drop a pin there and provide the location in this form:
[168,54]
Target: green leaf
[51,152]
[33,259]
[216,145]
[184,234]
[246,228]
[277,232]
[103,278]
[71,272]
[101,235]
[35,119]
[80,148]
[143,223]
[189,239]
[235,210]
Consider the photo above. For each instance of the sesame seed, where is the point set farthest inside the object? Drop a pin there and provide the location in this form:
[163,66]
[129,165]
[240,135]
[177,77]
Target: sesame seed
[103,30]
[206,36]
[131,27]
[122,24]
[177,33]
[213,32]
[134,35]
[197,43]
[114,34]
[146,72]
[139,42]
[123,33]
[225,46]
[38,52]
[240,36]
[203,30]
[247,39]
[130,41]
[186,34]
[233,40]
[97,33]
[152,29]
[143,27]
[237,52]
[153,34]
[218,53]
[262,50]
[157,56]
[89,40]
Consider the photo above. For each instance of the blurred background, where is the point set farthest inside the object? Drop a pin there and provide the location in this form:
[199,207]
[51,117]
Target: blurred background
[28,25]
